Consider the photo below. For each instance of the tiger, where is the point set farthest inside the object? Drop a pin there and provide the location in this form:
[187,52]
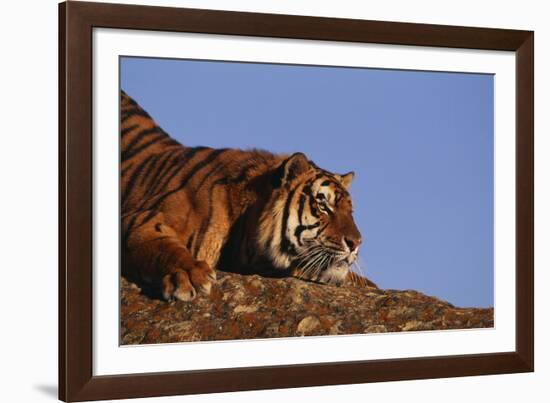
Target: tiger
[187,212]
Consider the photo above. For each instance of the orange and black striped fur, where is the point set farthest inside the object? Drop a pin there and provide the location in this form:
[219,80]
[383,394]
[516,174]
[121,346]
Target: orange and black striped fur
[189,210]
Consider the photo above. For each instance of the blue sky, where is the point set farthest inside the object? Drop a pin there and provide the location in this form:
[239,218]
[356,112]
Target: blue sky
[420,143]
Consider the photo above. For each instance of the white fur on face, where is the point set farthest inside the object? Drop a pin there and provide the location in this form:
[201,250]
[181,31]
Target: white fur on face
[335,274]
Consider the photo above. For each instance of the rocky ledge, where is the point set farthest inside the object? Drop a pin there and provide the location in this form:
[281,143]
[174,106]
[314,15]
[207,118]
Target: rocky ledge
[247,307]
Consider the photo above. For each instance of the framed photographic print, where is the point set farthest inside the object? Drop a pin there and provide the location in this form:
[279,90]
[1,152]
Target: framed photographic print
[252,201]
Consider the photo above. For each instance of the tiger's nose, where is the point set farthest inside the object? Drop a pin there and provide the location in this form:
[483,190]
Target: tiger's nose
[352,243]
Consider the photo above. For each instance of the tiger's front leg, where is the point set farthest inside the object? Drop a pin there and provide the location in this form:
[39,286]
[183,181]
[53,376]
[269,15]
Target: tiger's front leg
[159,258]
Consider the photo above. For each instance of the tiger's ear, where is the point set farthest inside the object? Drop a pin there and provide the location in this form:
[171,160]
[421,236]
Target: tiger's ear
[346,179]
[294,166]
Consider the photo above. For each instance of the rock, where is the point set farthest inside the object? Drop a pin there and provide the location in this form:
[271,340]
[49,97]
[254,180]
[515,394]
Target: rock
[247,307]
[413,325]
[376,329]
[307,325]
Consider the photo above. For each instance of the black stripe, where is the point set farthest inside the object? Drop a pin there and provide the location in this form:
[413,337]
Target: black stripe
[166,156]
[134,112]
[189,244]
[300,213]
[173,168]
[129,153]
[241,177]
[230,211]
[216,168]
[127,98]
[322,229]
[126,105]
[328,211]
[127,130]
[150,168]
[179,163]
[301,207]
[206,222]
[325,173]
[197,167]
[286,245]
[125,170]
[131,225]
[127,229]
[312,208]
[307,190]
[301,228]
[138,137]
[202,231]
[223,181]
[133,178]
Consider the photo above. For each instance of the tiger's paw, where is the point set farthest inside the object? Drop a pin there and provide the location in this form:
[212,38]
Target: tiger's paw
[183,284]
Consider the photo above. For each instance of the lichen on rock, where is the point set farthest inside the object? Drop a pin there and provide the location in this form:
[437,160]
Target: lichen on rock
[249,307]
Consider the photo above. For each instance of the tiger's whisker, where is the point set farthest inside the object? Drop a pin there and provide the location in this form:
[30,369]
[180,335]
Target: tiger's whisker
[363,280]
[314,262]
[320,267]
[307,262]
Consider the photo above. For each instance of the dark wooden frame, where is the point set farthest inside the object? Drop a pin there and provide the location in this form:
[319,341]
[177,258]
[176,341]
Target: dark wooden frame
[76,22]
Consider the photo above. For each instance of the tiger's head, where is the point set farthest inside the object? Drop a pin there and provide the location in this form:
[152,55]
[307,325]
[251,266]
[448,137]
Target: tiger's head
[308,227]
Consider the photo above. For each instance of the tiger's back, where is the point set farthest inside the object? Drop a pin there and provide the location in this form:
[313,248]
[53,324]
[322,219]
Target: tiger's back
[147,155]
